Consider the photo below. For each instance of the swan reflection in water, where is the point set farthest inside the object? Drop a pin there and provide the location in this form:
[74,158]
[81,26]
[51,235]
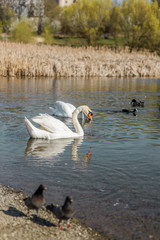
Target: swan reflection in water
[80,159]
[48,151]
[45,149]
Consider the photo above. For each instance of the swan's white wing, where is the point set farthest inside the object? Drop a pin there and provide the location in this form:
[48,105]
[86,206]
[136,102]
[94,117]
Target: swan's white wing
[50,124]
[63,109]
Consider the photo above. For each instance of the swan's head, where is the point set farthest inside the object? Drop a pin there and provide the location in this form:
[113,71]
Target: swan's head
[87,111]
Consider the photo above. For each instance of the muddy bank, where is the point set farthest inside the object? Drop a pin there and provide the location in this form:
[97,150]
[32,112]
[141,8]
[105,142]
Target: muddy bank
[15,223]
[29,60]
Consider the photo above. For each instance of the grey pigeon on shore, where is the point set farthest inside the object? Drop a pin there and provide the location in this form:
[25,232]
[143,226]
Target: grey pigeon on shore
[64,212]
[37,200]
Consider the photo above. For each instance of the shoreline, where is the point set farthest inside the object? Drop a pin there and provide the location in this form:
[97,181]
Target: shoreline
[15,223]
[33,60]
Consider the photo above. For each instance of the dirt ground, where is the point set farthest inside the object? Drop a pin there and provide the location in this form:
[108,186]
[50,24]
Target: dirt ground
[16,224]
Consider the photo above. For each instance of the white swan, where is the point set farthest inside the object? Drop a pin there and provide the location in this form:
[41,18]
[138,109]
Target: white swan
[52,128]
[63,109]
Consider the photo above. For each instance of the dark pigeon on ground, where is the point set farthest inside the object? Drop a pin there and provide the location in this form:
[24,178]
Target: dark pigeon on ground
[64,212]
[136,103]
[37,200]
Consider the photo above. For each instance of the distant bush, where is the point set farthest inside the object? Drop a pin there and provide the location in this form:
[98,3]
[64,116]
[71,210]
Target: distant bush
[1,27]
[22,32]
[88,19]
[140,24]
[48,33]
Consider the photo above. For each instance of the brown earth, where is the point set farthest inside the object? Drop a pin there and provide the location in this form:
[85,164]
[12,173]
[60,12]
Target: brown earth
[16,224]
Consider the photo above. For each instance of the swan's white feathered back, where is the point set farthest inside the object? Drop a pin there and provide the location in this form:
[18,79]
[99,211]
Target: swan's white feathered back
[50,123]
[63,109]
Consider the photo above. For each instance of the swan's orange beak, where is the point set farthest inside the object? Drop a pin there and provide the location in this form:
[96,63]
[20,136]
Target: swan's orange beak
[90,116]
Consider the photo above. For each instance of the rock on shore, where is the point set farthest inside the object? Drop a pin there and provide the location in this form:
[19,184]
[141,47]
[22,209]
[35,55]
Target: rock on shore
[15,224]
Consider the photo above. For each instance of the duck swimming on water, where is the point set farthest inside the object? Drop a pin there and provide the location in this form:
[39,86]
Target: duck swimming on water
[134,111]
[136,103]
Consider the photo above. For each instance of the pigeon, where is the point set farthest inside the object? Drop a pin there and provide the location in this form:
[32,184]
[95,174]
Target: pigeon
[64,212]
[136,103]
[37,200]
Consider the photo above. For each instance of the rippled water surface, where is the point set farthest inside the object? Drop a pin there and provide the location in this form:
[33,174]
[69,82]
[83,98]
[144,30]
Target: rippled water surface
[116,187]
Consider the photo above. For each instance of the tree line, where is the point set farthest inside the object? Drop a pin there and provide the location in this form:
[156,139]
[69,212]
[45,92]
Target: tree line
[137,22]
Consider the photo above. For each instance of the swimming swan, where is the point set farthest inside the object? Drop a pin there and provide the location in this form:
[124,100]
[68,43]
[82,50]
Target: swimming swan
[52,128]
[63,109]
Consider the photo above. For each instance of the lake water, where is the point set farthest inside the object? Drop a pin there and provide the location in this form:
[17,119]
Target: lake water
[116,187]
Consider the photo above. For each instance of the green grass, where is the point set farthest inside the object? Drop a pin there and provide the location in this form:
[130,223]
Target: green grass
[79,42]
[69,41]
[111,42]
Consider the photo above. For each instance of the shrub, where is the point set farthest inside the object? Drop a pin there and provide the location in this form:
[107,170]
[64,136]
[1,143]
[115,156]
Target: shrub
[48,33]
[1,27]
[22,32]
[87,19]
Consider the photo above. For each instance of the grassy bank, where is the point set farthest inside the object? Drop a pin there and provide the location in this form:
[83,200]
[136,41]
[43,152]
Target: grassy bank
[81,42]
[31,60]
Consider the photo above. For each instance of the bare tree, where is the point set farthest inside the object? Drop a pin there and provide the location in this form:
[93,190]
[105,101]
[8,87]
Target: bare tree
[21,6]
[17,5]
[6,15]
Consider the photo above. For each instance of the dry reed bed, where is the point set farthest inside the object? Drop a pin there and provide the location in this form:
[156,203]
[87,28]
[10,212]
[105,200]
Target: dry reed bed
[53,61]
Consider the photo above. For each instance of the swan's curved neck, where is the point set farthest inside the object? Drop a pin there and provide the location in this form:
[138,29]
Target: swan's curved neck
[76,123]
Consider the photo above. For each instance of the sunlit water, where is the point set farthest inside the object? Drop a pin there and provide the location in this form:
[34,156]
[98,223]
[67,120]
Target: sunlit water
[113,173]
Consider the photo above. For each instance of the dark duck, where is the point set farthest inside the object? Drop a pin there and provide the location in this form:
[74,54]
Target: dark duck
[136,103]
[133,111]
